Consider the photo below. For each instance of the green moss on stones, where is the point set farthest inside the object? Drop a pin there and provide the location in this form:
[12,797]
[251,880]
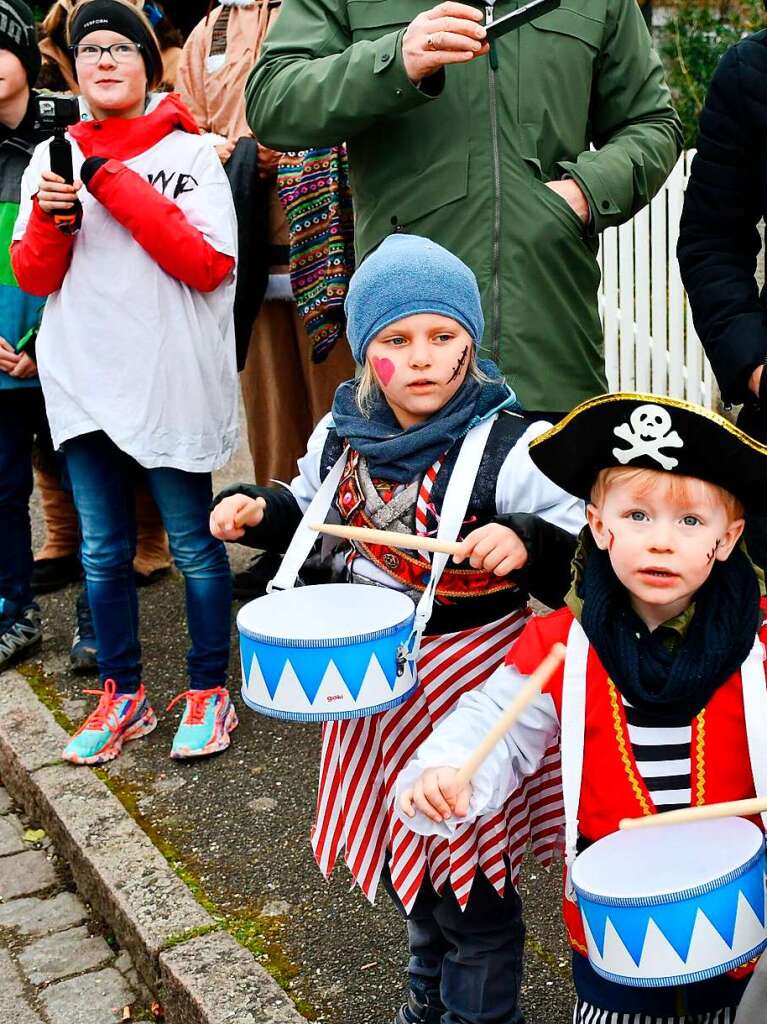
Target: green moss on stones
[254,932]
[554,962]
[46,693]
[178,938]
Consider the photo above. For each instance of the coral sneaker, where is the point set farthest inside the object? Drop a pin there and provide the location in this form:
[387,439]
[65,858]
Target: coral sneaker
[204,728]
[118,718]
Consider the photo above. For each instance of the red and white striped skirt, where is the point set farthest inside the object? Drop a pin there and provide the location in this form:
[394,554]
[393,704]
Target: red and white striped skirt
[362,757]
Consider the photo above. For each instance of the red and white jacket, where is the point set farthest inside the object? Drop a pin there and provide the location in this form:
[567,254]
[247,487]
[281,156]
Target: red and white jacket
[137,336]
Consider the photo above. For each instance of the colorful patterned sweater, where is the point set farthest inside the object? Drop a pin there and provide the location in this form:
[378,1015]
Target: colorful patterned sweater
[315,193]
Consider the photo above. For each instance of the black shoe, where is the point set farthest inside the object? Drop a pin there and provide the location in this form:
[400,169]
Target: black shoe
[146,579]
[50,574]
[418,1011]
[82,656]
[20,637]
[251,582]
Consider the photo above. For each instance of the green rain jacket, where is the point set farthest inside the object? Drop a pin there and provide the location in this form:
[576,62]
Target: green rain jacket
[465,158]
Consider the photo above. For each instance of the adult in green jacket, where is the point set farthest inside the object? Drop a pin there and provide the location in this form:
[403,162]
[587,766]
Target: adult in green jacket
[449,142]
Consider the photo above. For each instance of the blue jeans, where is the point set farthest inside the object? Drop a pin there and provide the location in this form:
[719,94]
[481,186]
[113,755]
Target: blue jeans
[467,962]
[102,480]
[22,420]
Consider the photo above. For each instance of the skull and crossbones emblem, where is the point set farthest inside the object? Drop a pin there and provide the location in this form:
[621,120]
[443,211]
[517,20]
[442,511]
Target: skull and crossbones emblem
[648,431]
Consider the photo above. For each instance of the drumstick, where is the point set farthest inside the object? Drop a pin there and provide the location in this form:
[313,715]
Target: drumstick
[706,812]
[529,692]
[394,540]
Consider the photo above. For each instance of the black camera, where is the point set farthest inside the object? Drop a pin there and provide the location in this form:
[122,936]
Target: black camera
[54,115]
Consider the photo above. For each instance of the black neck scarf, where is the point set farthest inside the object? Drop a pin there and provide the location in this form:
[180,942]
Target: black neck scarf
[717,642]
[403,455]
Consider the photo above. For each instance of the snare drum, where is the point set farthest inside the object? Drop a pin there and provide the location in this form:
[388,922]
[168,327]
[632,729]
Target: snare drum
[673,904]
[324,652]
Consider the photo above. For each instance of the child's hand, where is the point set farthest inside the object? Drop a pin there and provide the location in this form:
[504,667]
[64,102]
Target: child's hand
[25,368]
[230,517]
[54,195]
[436,795]
[493,548]
[9,357]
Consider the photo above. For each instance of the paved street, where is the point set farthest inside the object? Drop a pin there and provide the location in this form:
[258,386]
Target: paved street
[58,965]
[238,825]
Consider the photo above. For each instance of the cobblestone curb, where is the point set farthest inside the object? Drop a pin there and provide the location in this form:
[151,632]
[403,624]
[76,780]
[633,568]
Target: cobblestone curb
[201,979]
[54,956]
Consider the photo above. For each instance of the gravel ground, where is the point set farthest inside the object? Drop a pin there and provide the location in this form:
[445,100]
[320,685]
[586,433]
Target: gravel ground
[239,823]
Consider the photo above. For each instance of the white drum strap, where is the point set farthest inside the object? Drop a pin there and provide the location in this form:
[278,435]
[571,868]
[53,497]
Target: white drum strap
[572,733]
[304,539]
[452,515]
[755,707]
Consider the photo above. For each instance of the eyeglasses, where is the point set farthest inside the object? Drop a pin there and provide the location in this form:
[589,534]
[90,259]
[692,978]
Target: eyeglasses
[119,53]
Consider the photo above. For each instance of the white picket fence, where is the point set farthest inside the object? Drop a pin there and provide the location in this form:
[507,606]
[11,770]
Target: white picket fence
[650,341]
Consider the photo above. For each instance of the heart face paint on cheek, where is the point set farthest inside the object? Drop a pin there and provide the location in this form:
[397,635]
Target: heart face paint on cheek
[384,369]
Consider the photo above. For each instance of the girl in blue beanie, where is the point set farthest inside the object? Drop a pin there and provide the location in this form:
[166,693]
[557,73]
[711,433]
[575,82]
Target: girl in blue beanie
[414,324]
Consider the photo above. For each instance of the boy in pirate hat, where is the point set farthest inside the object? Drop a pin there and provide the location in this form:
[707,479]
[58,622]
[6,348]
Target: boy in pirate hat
[664,610]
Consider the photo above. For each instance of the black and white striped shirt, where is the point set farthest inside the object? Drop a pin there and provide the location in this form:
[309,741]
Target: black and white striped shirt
[585,1013]
[661,750]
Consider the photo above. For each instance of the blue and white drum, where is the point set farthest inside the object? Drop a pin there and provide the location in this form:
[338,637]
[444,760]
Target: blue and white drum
[324,652]
[673,904]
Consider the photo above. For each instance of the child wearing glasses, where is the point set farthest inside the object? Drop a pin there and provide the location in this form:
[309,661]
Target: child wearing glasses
[136,359]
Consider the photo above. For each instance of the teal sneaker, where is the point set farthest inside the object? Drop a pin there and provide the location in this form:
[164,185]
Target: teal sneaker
[118,718]
[204,728]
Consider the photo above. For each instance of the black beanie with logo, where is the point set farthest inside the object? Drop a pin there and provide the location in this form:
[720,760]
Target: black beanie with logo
[18,34]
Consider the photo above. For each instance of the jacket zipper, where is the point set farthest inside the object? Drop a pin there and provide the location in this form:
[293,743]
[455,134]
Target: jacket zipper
[495,341]
[14,142]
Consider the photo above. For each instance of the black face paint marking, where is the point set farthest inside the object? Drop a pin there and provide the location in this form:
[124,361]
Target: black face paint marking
[712,552]
[459,364]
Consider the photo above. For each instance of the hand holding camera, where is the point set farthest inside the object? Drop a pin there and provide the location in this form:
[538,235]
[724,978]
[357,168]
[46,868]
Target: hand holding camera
[450,33]
[56,195]
[454,33]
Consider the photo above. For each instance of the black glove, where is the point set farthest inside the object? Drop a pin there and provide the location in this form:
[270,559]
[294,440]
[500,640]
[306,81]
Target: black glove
[89,168]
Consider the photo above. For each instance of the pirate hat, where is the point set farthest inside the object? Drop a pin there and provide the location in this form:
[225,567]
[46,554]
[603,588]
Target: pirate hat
[651,432]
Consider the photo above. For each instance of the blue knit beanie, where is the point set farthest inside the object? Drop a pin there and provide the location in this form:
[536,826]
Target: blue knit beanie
[406,275]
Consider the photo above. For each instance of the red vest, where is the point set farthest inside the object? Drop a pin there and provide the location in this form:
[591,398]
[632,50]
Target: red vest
[611,786]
